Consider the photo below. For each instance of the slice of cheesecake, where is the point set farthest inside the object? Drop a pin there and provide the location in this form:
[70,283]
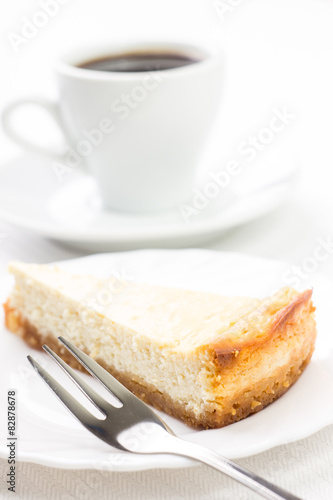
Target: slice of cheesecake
[207,359]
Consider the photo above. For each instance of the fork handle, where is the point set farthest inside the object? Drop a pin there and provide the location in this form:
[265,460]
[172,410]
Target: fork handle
[247,478]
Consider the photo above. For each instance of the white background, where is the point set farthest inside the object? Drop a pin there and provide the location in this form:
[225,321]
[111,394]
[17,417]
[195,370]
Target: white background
[277,53]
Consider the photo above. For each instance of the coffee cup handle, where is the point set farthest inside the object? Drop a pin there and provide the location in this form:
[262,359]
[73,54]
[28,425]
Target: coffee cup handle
[49,106]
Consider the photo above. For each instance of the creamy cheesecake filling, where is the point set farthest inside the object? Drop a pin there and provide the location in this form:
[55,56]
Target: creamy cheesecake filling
[143,332]
[182,376]
[170,316]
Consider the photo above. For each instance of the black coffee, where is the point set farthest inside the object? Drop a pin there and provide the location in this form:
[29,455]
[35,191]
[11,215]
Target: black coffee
[135,62]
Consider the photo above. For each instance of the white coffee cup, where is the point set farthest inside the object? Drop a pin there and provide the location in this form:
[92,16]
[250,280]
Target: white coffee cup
[141,135]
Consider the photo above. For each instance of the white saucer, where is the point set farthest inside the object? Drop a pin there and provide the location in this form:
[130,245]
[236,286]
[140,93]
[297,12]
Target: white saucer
[33,198]
[48,433]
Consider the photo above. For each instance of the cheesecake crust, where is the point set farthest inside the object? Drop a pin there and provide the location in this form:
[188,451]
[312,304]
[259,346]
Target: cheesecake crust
[294,321]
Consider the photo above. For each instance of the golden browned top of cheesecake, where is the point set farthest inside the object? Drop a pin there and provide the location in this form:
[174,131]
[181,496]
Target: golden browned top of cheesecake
[184,319]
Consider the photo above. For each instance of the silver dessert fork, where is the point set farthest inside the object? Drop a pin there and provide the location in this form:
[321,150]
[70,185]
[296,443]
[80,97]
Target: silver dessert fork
[137,428]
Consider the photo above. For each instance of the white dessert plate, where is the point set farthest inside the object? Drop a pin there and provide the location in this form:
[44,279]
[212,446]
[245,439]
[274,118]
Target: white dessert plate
[33,198]
[47,434]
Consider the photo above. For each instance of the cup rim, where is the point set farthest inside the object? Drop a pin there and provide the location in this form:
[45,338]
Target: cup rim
[68,63]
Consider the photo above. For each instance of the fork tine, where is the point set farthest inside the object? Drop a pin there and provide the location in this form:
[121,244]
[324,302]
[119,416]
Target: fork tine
[109,382]
[81,413]
[88,391]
